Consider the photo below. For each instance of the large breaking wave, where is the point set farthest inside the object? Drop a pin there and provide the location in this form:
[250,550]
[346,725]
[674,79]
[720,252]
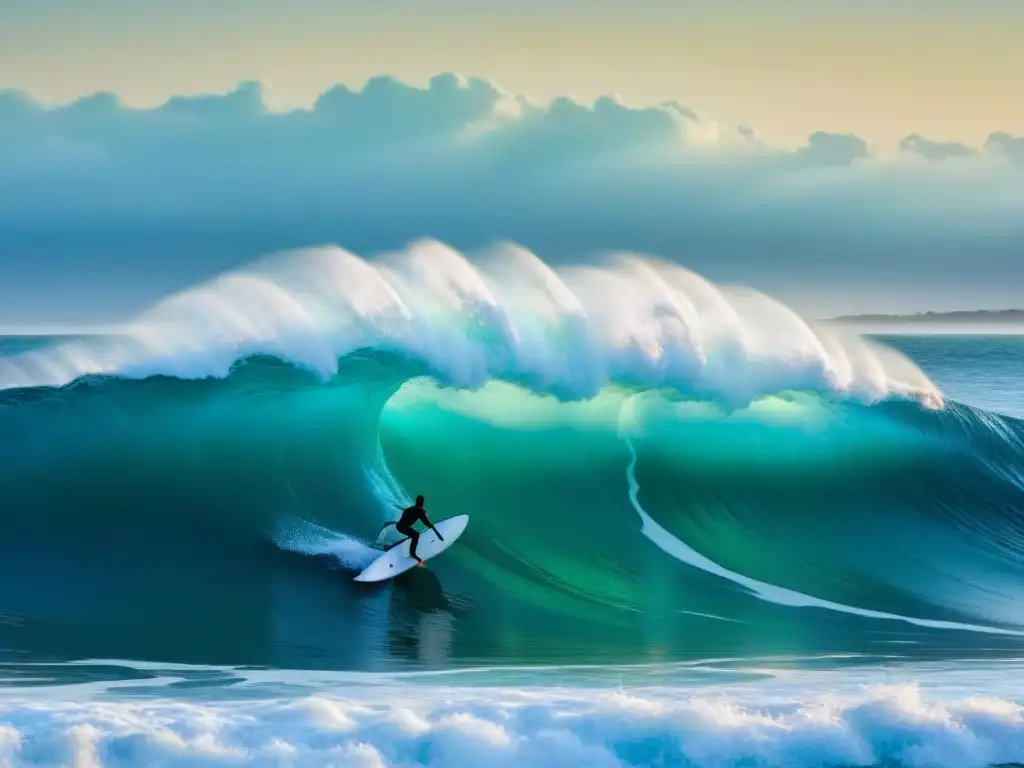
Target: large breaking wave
[655,467]
[570,332]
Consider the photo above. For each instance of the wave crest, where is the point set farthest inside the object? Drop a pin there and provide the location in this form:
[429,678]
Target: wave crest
[630,320]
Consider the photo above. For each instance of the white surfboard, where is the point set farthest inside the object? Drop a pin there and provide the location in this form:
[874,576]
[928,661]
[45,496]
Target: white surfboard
[396,560]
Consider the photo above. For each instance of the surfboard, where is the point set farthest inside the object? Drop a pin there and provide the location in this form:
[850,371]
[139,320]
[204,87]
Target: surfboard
[396,560]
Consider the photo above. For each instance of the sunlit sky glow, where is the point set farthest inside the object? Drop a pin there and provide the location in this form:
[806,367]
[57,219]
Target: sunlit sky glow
[877,69]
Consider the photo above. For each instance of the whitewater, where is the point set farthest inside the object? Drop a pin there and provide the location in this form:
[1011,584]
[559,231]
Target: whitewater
[509,316]
[704,530]
[276,720]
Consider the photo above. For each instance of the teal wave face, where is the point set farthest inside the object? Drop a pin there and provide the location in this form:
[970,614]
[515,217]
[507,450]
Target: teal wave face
[636,524]
[837,502]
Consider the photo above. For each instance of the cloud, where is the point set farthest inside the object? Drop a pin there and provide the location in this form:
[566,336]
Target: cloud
[936,150]
[1007,145]
[166,195]
[833,148]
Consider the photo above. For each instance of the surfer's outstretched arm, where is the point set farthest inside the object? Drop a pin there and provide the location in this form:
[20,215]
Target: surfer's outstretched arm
[430,525]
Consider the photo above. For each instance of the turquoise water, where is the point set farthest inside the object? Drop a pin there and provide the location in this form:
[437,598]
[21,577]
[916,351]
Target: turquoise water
[985,371]
[665,565]
[139,510]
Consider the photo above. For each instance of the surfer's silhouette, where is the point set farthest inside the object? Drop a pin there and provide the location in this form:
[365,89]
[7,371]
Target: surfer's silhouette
[410,516]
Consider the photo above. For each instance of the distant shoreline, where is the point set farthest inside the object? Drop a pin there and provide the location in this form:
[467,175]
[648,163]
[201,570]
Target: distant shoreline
[997,322]
[973,317]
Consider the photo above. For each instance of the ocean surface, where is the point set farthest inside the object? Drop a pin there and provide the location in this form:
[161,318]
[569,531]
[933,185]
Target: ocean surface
[704,532]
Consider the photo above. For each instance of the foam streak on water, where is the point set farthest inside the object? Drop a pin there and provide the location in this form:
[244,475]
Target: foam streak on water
[671,545]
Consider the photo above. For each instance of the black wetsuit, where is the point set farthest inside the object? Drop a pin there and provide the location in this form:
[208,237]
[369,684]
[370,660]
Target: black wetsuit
[411,516]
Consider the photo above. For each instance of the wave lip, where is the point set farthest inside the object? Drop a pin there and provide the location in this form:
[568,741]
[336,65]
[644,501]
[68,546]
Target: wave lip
[568,331]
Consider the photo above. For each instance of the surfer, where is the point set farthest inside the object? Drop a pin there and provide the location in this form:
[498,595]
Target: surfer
[410,516]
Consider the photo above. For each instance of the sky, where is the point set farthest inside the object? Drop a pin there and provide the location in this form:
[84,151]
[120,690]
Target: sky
[844,156]
[790,67]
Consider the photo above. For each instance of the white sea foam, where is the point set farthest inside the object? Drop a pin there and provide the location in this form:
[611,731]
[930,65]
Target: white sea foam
[309,538]
[457,727]
[571,330]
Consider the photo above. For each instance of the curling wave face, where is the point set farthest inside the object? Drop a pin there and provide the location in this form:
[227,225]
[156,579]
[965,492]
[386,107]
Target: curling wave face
[655,468]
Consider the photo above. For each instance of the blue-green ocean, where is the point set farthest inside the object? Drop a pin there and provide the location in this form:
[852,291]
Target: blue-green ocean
[703,532]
